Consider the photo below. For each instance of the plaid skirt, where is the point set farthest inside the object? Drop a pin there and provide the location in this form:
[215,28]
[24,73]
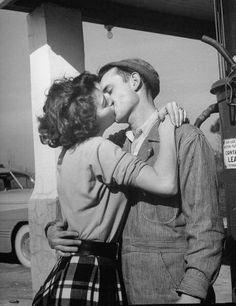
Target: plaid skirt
[82,280]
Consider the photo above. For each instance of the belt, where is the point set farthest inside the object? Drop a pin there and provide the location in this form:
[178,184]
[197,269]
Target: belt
[95,248]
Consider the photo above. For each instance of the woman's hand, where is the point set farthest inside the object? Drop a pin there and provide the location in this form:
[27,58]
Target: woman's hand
[187,299]
[166,129]
[177,114]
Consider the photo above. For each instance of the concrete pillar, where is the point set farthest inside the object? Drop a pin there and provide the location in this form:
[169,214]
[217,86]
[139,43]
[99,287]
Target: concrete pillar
[56,50]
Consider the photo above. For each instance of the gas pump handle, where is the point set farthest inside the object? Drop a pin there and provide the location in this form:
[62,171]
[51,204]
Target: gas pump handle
[221,50]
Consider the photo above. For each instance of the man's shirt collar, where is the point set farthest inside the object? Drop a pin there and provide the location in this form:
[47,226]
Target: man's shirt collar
[145,128]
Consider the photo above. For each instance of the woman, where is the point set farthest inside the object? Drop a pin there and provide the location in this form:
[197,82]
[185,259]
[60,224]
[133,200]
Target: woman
[92,174]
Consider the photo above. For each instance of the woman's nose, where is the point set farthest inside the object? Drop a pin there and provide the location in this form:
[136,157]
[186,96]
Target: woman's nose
[108,99]
[110,102]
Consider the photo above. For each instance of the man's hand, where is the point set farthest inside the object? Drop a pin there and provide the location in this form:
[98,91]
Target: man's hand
[177,114]
[64,242]
[188,299]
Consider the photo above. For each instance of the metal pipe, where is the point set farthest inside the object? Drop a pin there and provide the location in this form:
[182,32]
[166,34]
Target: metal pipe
[221,50]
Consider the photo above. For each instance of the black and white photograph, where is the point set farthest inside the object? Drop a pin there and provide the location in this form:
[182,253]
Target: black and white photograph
[118,152]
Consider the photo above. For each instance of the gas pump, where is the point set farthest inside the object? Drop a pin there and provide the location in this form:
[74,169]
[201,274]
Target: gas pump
[225,91]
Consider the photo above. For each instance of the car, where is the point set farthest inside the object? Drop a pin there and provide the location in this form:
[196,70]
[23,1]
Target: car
[16,188]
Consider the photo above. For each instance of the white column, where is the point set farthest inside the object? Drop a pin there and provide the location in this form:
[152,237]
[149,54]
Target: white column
[56,50]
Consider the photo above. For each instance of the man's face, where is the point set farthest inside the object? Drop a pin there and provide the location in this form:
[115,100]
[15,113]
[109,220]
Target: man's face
[121,94]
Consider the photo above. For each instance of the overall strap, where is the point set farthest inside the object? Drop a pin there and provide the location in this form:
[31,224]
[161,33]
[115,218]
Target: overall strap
[61,156]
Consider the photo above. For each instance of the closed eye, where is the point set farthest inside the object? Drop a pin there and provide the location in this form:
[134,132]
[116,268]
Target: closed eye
[108,90]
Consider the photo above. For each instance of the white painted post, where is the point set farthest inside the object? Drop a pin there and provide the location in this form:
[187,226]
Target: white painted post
[56,50]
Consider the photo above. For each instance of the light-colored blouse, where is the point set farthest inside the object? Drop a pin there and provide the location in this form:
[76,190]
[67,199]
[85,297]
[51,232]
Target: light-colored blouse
[88,178]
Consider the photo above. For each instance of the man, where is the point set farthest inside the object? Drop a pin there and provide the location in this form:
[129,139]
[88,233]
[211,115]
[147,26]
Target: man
[171,247]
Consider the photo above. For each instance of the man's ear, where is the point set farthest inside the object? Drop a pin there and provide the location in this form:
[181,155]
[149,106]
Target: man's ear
[136,81]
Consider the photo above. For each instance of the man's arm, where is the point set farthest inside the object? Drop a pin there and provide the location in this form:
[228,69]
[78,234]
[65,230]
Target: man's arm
[63,241]
[204,226]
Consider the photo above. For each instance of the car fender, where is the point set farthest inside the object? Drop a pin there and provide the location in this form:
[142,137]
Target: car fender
[13,214]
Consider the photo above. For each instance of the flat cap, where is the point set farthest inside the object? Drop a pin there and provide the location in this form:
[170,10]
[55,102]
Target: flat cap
[142,67]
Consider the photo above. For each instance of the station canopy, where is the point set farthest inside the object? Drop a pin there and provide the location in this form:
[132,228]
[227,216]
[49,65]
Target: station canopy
[189,18]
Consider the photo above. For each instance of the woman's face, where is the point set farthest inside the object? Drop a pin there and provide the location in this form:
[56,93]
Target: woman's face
[105,111]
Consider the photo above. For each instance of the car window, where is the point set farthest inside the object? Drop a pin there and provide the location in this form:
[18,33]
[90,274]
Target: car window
[14,180]
[24,180]
[2,186]
[5,181]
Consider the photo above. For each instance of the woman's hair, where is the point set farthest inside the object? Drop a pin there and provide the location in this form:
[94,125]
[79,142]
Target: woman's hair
[69,112]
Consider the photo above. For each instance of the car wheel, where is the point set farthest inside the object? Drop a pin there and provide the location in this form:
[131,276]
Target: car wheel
[22,245]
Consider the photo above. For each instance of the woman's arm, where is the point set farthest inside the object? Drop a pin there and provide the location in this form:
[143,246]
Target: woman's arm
[162,177]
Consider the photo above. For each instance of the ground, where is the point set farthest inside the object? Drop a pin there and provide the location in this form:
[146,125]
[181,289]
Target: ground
[15,283]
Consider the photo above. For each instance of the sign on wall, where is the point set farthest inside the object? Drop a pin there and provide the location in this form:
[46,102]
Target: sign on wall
[229,150]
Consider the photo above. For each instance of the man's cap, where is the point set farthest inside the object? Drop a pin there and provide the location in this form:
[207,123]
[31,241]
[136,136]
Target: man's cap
[142,67]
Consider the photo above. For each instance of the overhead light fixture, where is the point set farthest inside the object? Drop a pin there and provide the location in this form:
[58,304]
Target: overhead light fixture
[109,32]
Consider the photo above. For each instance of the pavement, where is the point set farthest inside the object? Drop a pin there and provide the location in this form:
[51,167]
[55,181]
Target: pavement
[15,283]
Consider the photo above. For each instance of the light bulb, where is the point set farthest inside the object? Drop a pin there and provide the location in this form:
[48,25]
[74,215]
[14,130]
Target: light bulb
[109,34]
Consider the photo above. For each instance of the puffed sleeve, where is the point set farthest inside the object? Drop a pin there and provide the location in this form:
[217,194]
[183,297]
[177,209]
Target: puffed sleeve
[113,166]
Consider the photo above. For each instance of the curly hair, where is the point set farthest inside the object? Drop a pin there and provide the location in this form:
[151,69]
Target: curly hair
[69,112]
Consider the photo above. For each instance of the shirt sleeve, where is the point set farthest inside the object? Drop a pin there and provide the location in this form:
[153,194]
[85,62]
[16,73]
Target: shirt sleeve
[113,166]
[204,226]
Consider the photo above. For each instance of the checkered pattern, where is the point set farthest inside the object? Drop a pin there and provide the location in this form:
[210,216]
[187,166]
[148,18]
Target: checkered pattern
[81,280]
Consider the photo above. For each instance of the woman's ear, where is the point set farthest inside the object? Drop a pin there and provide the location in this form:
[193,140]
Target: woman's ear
[136,81]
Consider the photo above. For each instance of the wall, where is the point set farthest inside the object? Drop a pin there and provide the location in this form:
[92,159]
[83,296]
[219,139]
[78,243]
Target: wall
[16,140]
